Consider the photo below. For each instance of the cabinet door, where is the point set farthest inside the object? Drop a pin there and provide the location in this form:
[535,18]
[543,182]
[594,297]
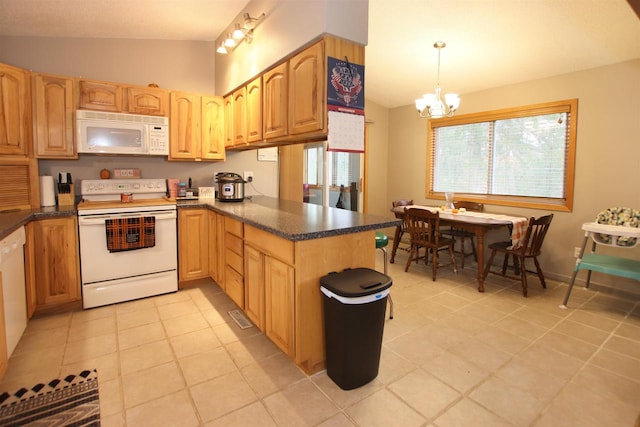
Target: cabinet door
[254,110]
[147,100]
[239,117]
[254,286]
[103,96]
[213,128]
[193,249]
[15,111]
[275,101]
[53,121]
[56,258]
[4,357]
[30,268]
[306,90]
[213,246]
[184,126]
[279,303]
[228,121]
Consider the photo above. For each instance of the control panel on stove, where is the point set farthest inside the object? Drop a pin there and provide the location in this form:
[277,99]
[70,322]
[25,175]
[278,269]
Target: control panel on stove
[118,186]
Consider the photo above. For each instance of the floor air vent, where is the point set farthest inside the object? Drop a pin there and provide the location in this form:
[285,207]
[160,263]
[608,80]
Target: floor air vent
[240,319]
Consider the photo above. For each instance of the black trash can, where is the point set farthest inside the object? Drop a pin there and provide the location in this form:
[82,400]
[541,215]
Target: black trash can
[355,302]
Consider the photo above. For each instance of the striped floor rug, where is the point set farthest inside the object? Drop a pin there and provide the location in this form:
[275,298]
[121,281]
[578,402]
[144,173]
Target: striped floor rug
[69,401]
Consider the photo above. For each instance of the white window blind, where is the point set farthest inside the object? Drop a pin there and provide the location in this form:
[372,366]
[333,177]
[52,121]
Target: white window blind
[523,155]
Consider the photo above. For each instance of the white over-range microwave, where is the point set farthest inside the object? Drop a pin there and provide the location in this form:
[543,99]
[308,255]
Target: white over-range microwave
[100,132]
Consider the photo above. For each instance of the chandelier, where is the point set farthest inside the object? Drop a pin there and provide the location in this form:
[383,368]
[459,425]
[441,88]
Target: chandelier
[240,32]
[431,105]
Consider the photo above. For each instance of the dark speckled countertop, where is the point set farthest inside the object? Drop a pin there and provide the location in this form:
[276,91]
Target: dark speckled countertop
[293,220]
[11,220]
[290,220]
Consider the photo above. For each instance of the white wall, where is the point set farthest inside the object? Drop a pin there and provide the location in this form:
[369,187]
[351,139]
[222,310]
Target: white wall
[288,25]
[607,161]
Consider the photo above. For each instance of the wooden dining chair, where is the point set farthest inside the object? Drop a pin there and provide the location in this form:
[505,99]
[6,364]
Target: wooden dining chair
[530,247]
[460,235]
[401,229]
[424,230]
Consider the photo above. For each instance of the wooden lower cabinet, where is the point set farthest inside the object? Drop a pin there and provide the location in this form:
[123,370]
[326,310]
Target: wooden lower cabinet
[279,303]
[56,256]
[234,260]
[254,306]
[193,247]
[4,356]
[216,248]
[278,283]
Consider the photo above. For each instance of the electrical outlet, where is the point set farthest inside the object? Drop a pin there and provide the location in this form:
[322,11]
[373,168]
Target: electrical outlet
[248,176]
[576,252]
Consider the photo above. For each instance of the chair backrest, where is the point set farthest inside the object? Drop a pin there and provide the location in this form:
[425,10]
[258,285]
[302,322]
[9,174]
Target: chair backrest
[400,215]
[423,226]
[536,231]
[470,206]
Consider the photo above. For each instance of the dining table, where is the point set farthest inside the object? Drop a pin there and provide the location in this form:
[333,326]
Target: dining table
[477,223]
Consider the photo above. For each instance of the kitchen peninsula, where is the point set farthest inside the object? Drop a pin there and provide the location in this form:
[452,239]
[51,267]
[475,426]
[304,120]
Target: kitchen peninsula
[269,254]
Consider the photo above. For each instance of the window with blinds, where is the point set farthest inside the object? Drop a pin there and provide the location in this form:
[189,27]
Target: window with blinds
[520,156]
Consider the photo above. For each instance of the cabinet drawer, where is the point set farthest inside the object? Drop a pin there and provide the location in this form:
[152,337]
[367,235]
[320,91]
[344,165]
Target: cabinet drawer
[233,226]
[234,286]
[233,243]
[234,260]
[270,244]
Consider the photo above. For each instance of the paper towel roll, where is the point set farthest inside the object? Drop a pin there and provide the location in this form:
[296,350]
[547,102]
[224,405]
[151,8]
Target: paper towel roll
[47,192]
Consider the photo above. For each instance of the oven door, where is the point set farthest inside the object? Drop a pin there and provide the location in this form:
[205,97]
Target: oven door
[98,264]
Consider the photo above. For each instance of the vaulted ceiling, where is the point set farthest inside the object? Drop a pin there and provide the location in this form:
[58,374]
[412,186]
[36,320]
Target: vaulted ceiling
[490,43]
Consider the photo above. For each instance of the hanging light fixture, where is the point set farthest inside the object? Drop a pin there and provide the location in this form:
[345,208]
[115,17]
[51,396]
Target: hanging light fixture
[431,105]
[240,32]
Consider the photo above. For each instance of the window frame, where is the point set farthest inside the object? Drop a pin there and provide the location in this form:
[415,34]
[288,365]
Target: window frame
[569,106]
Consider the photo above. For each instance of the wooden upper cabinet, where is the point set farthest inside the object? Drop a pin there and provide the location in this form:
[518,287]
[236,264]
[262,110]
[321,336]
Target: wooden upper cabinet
[275,102]
[254,110]
[103,96]
[213,128]
[306,90]
[228,120]
[184,126]
[147,100]
[15,111]
[240,116]
[53,116]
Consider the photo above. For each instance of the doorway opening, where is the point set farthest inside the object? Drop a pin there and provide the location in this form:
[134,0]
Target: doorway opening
[332,178]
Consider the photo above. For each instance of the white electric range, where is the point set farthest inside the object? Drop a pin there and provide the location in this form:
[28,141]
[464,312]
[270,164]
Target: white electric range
[128,250]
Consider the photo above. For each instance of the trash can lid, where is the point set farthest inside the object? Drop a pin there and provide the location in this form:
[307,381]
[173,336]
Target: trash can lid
[356,282]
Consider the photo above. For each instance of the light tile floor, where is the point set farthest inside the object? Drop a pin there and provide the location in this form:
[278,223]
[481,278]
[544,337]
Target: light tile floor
[450,357]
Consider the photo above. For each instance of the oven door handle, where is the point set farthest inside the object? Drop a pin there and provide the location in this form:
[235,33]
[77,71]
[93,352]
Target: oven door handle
[100,219]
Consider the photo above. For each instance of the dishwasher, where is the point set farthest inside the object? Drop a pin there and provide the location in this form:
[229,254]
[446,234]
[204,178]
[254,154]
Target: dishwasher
[13,287]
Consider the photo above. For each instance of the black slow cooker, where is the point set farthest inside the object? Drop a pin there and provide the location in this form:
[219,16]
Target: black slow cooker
[230,187]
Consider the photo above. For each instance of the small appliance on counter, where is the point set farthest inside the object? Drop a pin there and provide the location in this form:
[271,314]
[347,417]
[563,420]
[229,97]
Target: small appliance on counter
[230,187]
